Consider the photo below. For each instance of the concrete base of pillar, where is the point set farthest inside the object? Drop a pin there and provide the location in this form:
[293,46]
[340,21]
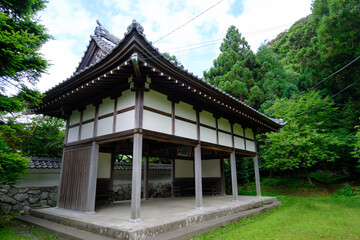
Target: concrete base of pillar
[135,220]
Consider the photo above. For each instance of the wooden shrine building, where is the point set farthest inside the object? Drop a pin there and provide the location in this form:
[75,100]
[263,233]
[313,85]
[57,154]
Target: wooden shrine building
[126,97]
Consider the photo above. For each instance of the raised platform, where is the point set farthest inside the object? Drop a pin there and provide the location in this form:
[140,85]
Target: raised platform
[170,218]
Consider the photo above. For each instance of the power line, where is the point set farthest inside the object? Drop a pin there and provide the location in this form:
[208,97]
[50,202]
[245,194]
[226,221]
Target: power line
[318,105]
[188,21]
[334,73]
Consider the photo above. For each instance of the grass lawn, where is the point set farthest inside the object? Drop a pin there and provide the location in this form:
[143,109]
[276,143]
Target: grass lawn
[13,230]
[321,217]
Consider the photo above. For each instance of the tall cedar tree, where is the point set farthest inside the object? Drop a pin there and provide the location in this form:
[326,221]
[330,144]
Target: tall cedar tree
[257,79]
[21,63]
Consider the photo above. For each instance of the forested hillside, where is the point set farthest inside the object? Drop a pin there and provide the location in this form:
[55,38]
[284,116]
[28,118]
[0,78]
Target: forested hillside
[310,77]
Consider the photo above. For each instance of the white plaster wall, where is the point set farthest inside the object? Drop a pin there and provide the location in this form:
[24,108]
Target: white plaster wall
[185,110]
[250,145]
[238,130]
[224,124]
[210,168]
[51,177]
[225,139]
[75,117]
[87,130]
[40,178]
[73,134]
[125,121]
[249,133]
[184,168]
[207,119]
[157,100]
[104,165]
[185,129]
[239,143]
[107,106]
[156,122]
[155,176]
[105,126]
[207,135]
[89,112]
[126,100]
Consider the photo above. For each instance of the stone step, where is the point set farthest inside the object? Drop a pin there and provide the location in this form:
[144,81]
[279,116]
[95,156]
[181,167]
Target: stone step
[208,226]
[59,230]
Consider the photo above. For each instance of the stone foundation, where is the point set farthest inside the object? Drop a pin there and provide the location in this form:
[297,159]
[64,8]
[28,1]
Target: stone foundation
[15,199]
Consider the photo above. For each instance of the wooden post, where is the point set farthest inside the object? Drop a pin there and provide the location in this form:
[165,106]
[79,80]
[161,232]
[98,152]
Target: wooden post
[257,176]
[137,157]
[136,178]
[91,189]
[256,168]
[234,176]
[146,177]
[222,182]
[172,176]
[198,177]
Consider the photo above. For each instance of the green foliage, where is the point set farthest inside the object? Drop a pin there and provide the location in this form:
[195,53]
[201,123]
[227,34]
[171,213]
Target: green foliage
[329,177]
[257,79]
[356,152]
[21,37]
[306,140]
[45,139]
[347,191]
[172,58]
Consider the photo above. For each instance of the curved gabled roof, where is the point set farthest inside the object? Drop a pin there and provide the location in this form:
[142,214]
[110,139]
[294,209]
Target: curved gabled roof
[107,71]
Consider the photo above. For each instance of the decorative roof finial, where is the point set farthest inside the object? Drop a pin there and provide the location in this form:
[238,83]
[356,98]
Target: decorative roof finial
[135,25]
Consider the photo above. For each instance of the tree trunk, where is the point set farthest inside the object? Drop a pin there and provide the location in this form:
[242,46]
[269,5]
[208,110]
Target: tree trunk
[271,173]
[307,176]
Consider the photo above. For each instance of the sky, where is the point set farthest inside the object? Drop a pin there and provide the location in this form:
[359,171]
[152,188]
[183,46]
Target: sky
[196,44]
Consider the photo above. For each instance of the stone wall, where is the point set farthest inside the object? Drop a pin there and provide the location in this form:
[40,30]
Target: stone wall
[16,199]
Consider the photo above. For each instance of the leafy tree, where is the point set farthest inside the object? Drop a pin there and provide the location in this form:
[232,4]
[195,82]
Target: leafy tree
[21,64]
[12,165]
[45,139]
[307,140]
[172,58]
[356,152]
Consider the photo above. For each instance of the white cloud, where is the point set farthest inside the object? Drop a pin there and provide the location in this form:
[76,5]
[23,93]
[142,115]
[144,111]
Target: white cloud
[72,22]
[63,61]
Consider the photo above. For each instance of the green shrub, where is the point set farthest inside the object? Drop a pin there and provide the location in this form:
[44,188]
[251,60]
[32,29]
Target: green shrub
[347,191]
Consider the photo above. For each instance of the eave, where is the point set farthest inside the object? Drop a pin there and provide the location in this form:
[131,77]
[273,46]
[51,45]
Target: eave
[109,77]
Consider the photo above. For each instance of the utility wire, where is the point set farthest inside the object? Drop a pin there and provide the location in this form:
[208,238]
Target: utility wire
[188,21]
[334,73]
[318,105]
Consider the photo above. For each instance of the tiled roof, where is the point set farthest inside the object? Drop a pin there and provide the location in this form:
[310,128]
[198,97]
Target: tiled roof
[39,163]
[110,42]
[50,163]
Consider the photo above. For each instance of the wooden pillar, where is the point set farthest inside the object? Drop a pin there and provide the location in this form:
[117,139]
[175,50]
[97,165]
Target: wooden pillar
[198,177]
[137,157]
[256,168]
[146,177]
[172,176]
[257,176]
[91,189]
[234,176]
[136,178]
[222,182]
